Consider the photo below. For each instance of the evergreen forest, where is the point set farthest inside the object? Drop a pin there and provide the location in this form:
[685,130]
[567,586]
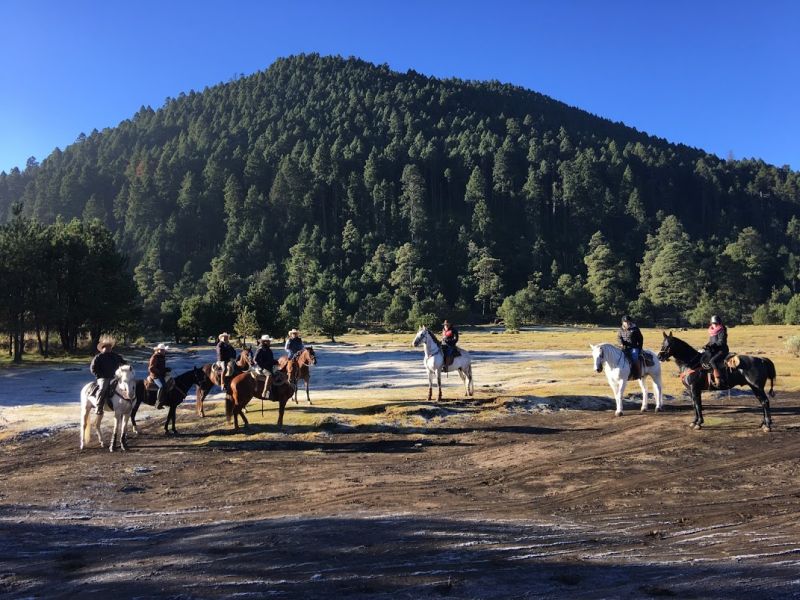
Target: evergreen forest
[329,193]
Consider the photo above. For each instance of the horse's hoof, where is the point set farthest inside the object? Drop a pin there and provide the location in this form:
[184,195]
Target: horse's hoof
[697,426]
[136,431]
[657,409]
[618,413]
[766,428]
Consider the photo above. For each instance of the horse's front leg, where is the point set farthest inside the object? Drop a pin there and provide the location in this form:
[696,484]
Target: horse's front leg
[439,384]
[198,404]
[173,413]
[766,421]
[619,396]
[697,399]
[658,393]
[281,409]
[645,397]
[308,396]
[114,434]
[123,439]
[97,421]
[430,385]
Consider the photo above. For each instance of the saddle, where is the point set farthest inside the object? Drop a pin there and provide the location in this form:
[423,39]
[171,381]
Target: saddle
[449,358]
[150,384]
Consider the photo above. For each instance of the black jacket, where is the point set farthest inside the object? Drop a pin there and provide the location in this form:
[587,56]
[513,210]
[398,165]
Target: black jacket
[719,342]
[264,358]
[104,365]
[225,352]
[630,337]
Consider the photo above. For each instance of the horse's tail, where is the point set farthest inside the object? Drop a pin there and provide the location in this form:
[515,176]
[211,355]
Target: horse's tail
[772,376]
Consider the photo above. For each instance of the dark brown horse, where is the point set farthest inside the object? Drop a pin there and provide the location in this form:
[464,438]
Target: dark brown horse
[750,371]
[174,395]
[299,368]
[216,377]
[245,386]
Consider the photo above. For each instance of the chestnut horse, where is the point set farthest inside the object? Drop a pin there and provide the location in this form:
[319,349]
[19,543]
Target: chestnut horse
[299,368]
[245,386]
[215,377]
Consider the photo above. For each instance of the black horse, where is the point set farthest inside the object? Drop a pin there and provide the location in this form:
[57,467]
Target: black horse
[751,371]
[173,397]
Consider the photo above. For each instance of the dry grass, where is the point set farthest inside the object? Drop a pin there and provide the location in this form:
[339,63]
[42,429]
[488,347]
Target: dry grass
[496,384]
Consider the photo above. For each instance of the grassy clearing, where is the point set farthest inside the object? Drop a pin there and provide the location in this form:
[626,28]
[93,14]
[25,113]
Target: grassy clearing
[499,387]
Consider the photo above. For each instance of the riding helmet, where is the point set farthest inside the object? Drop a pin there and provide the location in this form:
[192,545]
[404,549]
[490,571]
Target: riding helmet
[715,319]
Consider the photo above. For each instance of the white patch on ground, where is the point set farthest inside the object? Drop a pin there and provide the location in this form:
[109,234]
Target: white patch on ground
[46,397]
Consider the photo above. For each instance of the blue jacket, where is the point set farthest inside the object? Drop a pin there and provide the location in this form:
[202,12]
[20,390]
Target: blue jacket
[293,346]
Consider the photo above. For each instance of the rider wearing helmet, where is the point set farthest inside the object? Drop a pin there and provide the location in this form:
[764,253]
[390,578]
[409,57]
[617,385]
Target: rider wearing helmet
[717,348]
[631,339]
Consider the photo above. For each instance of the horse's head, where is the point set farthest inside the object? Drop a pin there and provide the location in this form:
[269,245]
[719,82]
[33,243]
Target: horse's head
[312,357]
[666,347]
[126,382]
[597,356]
[420,337]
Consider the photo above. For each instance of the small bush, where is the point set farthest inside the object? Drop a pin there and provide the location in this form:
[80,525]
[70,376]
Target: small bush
[792,314]
[793,345]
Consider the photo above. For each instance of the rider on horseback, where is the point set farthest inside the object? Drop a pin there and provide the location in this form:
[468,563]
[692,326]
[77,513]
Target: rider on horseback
[104,366]
[265,361]
[157,368]
[294,345]
[717,349]
[225,354]
[631,339]
[449,341]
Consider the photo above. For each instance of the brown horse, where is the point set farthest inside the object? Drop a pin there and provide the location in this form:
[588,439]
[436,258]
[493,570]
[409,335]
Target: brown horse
[216,377]
[299,368]
[245,386]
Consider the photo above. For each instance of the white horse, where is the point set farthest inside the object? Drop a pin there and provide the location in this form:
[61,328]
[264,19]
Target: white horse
[434,363]
[613,361]
[122,399]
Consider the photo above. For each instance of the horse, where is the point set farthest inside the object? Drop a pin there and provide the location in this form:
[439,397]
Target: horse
[299,368]
[122,397]
[245,386]
[216,377]
[434,363]
[617,367]
[172,397]
[751,371]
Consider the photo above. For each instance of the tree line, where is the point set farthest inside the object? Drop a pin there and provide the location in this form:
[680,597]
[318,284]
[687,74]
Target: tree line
[66,279]
[324,191]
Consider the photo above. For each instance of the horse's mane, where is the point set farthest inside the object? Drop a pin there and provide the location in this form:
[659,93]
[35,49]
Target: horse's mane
[435,339]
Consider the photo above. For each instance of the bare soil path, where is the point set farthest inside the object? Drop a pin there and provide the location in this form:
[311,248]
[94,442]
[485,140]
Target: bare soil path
[491,498]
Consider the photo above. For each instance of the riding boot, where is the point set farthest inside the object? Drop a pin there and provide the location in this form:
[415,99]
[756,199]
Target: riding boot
[160,397]
[717,378]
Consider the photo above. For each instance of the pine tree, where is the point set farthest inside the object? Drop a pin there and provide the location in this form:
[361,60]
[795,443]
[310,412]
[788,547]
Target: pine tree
[606,277]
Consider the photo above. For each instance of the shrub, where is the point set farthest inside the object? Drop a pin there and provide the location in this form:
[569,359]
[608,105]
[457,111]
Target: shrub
[793,345]
[792,314]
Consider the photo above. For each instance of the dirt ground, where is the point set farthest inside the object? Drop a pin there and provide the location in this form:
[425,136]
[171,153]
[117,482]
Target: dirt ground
[498,497]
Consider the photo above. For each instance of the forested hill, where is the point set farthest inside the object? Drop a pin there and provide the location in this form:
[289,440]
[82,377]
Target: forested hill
[324,187]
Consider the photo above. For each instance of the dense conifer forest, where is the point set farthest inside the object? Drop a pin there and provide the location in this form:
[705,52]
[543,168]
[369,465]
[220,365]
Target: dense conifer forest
[327,192]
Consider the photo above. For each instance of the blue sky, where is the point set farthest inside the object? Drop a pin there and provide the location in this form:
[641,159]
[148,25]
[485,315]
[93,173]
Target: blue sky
[722,76]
